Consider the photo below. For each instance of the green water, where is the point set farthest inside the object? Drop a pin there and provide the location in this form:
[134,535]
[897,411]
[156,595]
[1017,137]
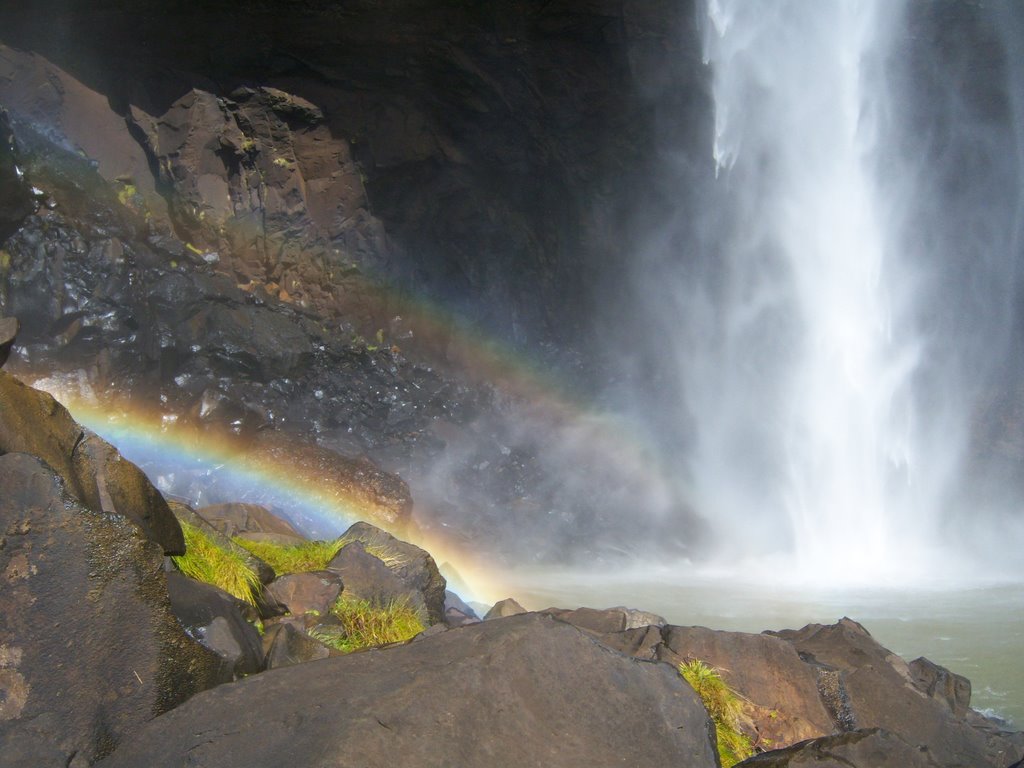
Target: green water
[978,632]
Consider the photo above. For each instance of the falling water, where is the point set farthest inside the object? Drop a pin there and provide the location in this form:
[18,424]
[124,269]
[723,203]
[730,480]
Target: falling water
[830,404]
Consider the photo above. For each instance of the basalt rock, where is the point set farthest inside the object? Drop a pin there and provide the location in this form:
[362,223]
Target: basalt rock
[220,623]
[520,691]
[288,645]
[94,472]
[16,201]
[300,593]
[871,748]
[232,519]
[89,647]
[503,608]
[412,566]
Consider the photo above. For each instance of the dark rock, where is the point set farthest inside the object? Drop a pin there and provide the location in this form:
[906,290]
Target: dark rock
[871,748]
[456,612]
[93,471]
[412,566]
[607,621]
[89,647]
[503,608]
[879,691]
[766,671]
[301,593]
[16,201]
[220,622]
[233,519]
[525,690]
[8,333]
[366,577]
[939,683]
[290,646]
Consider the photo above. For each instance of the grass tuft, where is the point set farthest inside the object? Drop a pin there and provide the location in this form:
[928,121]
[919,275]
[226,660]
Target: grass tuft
[292,558]
[725,707]
[367,625]
[205,560]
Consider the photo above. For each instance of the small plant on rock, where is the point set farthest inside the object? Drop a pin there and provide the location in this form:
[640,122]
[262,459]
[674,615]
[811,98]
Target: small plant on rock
[725,707]
[205,560]
[365,624]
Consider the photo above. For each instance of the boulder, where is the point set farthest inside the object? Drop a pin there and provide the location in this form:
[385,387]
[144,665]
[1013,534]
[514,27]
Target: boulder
[412,566]
[8,333]
[871,748]
[766,671]
[219,622]
[366,577]
[456,612]
[288,645]
[525,690]
[941,684]
[234,518]
[93,471]
[89,647]
[503,608]
[300,593]
[609,620]
[864,685]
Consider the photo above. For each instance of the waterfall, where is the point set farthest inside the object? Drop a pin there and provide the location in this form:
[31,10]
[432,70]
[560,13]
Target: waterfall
[831,349]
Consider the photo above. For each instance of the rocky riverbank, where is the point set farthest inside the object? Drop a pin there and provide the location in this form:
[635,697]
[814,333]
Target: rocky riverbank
[110,655]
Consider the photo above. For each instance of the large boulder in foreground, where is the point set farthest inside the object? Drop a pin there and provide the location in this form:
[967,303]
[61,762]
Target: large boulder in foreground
[92,469]
[89,648]
[522,691]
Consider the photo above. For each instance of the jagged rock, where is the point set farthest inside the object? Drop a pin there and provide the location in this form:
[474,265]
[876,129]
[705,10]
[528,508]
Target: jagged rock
[219,622]
[456,612]
[413,567]
[89,647]
[94,472]
[15,198]
[871,748]
[606,621]
[290,646]
[943,685]
[233,519]
[870,687]
[300,593]
[8,333]
[766,671]
[525,690]
[503,608]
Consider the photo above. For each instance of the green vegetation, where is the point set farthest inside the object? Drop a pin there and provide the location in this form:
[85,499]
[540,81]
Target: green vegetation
[365,624]
[205,560]
[725,707]
[293,558]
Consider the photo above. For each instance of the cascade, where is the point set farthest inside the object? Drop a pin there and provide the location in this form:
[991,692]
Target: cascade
[840,330]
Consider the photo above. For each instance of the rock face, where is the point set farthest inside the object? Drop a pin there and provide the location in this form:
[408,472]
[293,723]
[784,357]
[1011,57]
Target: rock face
[93,471]
[15,199]
[873,748]
[89,648]
[520,691]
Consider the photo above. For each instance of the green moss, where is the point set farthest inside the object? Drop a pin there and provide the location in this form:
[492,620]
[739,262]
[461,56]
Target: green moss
[364,624]
[283,558]
[205,560]
[724,706]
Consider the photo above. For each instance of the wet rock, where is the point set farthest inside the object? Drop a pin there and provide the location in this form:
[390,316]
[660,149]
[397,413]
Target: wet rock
[503,608]
[89,647]
[880,692]
[530,691]
[220,623]
[94,472]
[941,684]
[607,621]
[8,333]
[871,748]
[313,591]
[412,566]
[234,518]
[16,201]
[290,646]
[366,577]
